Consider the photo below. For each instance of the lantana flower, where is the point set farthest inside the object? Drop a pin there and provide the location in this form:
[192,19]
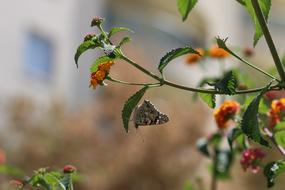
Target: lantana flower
[251,159]
[193,57]
[102,72]
[225,113]
[276,113]
[217,52]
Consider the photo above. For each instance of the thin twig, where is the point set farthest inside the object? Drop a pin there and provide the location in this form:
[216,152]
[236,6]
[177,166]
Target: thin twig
[271,137]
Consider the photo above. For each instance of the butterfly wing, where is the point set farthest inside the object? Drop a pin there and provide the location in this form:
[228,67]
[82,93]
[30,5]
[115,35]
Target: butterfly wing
[147,114]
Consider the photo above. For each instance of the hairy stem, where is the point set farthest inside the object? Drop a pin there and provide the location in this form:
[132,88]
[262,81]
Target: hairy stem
[133,84]
[271,137]
[168,83]
[268,38]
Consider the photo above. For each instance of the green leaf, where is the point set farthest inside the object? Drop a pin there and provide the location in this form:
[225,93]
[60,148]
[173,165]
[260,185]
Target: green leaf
[84,47]
[130,105]
[279,137]
[272,170]
[280,126]
[227,84]
[66,181]
[233,135]
[203,143]
[174,54]
[265,6]
[249,124]
[118,29]
[185,6]
[241,2]
[209,99]
[202,146]
[222,163]
[124,41]
[98,61]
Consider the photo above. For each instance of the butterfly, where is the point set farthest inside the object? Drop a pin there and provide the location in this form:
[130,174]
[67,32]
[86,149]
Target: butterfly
[148,114]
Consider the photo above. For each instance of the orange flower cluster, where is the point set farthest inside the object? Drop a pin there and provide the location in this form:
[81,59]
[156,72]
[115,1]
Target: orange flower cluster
[214,52]
[225,112]
[193,58]
[276,113]
[217,52]
[98,76]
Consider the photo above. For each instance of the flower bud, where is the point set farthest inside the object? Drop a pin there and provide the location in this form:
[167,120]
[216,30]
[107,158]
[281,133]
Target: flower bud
[248,52]
[88,37]
[69,169]
[97,21]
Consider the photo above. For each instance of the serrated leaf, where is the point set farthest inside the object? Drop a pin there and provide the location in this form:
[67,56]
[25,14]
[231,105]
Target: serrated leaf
[98,61]
[279,137]
[174,54]
[233,135]
[118,29]
[82,48]
[273,170]
[209,99]
[130,105]
[265,6]
[124,41]
[227,84]
[185,7]
[249,124]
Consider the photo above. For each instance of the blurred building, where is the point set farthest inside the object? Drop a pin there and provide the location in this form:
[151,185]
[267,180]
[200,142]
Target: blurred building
[38,42]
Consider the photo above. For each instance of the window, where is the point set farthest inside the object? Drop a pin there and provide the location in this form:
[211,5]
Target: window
[38,56]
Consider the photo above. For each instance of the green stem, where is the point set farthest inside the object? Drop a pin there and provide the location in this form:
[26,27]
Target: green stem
[168,83]
[253,66]
[268,38]
[133,84]
[271,136]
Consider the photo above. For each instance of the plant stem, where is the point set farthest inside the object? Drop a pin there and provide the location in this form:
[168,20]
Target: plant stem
[253,66]
[168,83]
[270,135]
[134,84]
[268,38]
[214,181]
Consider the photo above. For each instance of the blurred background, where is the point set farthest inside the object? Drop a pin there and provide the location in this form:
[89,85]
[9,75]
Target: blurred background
[50,118]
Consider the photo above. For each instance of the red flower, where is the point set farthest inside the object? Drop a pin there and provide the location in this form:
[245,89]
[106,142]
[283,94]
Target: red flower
[251,158]
[69,169]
